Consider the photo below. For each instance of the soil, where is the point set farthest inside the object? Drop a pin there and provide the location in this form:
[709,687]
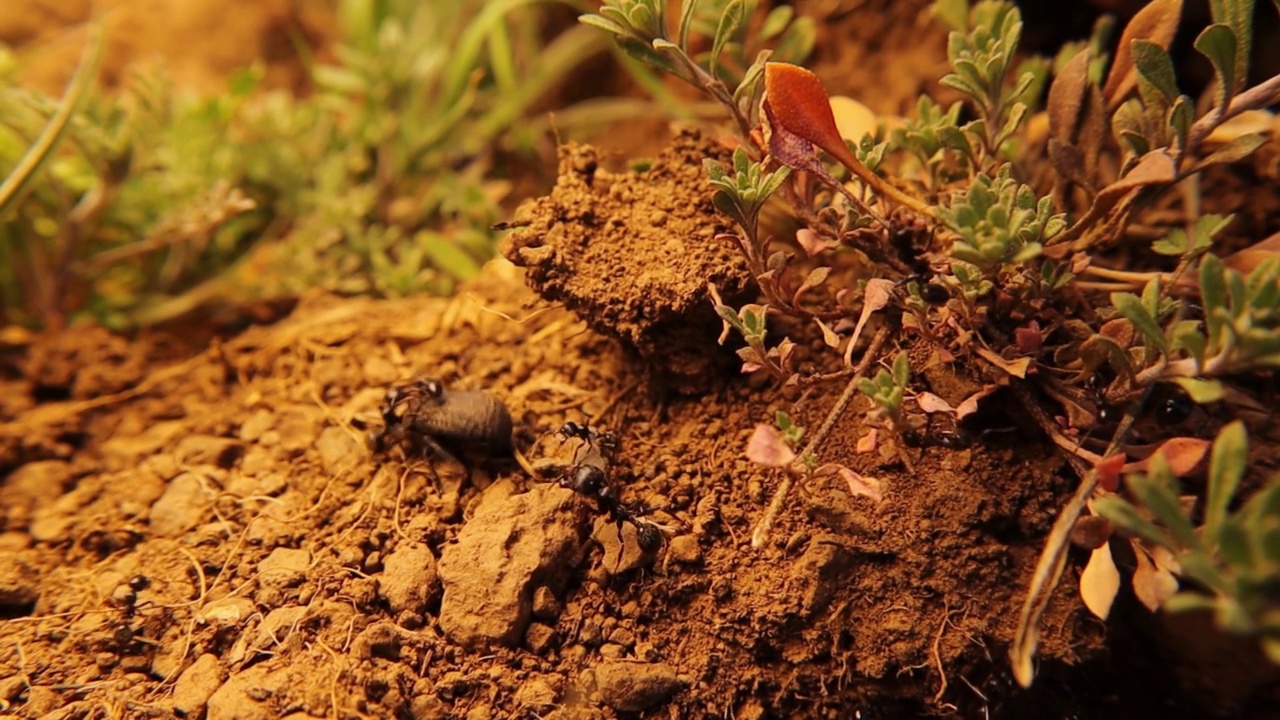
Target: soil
[192,529]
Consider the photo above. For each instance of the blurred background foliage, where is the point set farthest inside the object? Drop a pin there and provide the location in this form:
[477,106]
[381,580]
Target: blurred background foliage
[384,178]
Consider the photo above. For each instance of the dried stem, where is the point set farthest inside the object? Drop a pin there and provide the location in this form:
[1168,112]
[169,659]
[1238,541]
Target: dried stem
[761,533]
[1048,571]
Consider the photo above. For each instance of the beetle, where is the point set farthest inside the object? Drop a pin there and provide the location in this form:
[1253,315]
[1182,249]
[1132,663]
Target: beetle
[423,416]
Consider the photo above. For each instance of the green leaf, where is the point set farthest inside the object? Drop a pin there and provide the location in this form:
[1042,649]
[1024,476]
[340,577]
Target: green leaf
[1199,567]
[686,21]
[953,14]
[730,19]
[1226,468]
[775,22]
[1188,602]
[1218,43]
[1128,305]
[1126,517]
[901,369]
[1213,294]
[446,255]
[1156,67]
[1234,546]
[1202,392]
[1179,120]
[1154,492]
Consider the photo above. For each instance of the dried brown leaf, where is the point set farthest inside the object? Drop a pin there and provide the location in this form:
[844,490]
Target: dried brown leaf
[1091,532]
[1100,582]
[1067,97]
[867,443]
[1183,455]
[874,298]
[931,403]
[969,405]
[861,484]
[1157,22]
[1016,368]
[1152,584]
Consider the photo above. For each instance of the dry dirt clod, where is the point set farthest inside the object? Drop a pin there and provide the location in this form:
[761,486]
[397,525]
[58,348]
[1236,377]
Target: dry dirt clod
[180,508]
[284,567]
[505,551]
[408,580]
[18,586]
[633,686]
[196,684]
[632,253]
[820,572]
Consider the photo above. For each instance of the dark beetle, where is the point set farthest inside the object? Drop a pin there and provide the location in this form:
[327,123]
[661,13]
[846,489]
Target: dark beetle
[422,417]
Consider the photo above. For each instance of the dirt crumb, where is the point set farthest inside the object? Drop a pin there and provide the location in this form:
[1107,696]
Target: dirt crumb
[408,579]
[632,253]
[505,551]
[196,684]
[633,686]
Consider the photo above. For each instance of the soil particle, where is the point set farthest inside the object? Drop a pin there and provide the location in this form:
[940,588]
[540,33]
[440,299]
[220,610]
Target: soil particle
[823,568]
[18,582]
[30,486]
[181,507]
[196,684]
[685,549]
[408,580]
[502,554]
[284,567]
[632,254]
[633,686]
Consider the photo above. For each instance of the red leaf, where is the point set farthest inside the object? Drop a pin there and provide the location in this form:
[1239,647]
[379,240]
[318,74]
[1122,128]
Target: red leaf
[799,103]
[1109,472]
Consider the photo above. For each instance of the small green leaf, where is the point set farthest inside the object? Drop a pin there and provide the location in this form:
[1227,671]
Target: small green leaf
[1202,392]
[1226,468]
[1179,120]
[1128,305]
[901,369]
[603,23]
[775,22]
[1189,602]
[730,19]
[1213,294]
[1154,492]
[1234,151]
[1126,517]
[1234,546]
[686,21]
[1218,43]
[1156,67]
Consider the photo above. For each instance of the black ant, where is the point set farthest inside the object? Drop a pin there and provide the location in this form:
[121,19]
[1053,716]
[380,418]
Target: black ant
[589,477]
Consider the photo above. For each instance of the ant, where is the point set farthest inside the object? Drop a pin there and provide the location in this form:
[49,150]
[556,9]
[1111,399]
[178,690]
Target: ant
[589,477]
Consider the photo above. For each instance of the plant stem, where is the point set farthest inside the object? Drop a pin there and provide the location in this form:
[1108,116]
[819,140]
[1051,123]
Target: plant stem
[760,535]
[1262,95]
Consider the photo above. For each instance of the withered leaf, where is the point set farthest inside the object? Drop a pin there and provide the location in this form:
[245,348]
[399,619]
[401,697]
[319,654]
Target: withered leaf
[1100,582]
[1158,23]
[1066,98]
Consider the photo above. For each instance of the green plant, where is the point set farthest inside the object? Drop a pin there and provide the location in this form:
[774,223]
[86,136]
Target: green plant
[386,180]
[1230,562]
[731,71]
[888,387]
[1014,236]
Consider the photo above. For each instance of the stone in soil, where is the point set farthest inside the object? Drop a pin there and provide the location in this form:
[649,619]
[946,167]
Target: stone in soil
[635,686]
[504,552]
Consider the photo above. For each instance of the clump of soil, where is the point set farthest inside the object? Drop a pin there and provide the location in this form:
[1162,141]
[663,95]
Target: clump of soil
[632,253]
